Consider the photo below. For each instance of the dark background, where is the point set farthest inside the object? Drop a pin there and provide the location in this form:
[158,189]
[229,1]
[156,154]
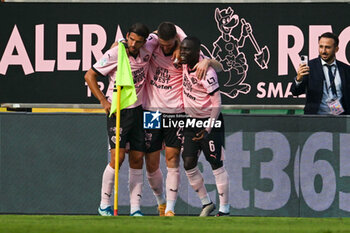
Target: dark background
[195,19]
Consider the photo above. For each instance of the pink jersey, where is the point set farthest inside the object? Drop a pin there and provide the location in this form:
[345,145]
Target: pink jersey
[108,64]
[196,92]
[164,82]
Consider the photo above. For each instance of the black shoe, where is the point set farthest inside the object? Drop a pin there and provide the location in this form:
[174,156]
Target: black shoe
[221,214]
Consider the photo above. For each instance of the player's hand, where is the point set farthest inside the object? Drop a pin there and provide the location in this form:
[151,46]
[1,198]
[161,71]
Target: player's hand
[302,71]
[176,56]
[201,68]
[106,106]
[200,135]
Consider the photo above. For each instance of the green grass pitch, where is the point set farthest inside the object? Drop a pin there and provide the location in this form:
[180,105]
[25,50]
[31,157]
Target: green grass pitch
[178,224]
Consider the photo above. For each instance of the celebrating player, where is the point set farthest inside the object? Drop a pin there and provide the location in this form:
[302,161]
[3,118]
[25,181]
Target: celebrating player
[164,94]
[202,103]
[131,127]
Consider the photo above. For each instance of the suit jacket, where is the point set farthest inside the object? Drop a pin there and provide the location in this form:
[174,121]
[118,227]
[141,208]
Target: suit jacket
[312,86]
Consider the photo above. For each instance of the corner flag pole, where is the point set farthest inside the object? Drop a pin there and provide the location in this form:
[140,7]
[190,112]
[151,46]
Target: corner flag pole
[116,157]
[122,98]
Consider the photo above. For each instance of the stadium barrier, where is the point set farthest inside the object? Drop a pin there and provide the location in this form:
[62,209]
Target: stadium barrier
[279,165]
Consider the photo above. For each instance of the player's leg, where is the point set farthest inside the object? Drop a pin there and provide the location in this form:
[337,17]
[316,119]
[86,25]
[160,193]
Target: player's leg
[173,141]
[135,181]
[136,137]
[155,179]
[190,158]
[172,156]
[213,149]
[105,208]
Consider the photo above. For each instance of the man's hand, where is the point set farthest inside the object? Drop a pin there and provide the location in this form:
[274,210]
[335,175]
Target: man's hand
[176,56]
[302,71]
[106,105]
[202,68]
[200,135]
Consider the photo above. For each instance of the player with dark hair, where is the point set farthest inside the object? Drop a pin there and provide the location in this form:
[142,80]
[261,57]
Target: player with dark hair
[202,103]
[164,94]
[131,127]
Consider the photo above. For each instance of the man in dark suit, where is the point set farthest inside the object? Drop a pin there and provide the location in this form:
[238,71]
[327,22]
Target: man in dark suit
[324,80]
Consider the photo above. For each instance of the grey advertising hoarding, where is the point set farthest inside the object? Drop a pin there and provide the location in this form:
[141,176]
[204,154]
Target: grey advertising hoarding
[45,49]
[278,166]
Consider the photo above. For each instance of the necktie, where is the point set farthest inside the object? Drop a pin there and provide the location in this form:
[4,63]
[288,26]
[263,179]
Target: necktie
[331,79]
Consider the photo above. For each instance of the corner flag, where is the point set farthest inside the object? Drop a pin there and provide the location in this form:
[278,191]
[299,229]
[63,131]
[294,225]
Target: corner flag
[125,80]
[124,95]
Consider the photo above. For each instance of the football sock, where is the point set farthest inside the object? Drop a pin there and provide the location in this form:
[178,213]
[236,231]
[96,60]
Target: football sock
[107,186]
[134,208]
[172,187]
[170,206]
[155,180]
[195,179]
[222,184]
[135,187]
[206,200]
[224,208]
[172,183]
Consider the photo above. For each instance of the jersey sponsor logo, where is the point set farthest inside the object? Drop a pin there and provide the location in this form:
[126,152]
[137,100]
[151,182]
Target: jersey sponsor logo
[139,75]
[187,83]
[189,95]
[151,120]
[162,75]
[160,86]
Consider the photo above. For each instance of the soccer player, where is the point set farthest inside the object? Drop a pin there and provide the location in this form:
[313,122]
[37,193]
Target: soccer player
[205,132]
[131,120]
[164,94]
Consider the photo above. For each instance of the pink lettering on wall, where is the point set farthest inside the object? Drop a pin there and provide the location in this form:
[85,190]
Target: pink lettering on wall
[88,48]
[284,51]
[344,39]
[9,58]
[64,46]
[40,63]
[119,34]
[314,32]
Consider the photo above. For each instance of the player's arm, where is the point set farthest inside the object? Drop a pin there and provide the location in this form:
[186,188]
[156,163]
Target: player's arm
[202,67]
[215,99]
[91,80]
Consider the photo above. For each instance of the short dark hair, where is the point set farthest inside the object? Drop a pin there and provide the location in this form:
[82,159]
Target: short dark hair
[196,42]
[330,35]
[166,31]
[139,29]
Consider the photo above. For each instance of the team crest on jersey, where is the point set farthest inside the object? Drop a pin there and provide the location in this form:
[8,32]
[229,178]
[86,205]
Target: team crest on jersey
[193,80]
[146,58]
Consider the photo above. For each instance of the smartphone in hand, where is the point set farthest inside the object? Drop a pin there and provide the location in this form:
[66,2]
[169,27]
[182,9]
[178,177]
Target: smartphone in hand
[303,59]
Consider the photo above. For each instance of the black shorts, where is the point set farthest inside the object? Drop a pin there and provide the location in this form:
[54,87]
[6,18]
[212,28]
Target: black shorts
[131,129]
[212,146]
[171,136]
